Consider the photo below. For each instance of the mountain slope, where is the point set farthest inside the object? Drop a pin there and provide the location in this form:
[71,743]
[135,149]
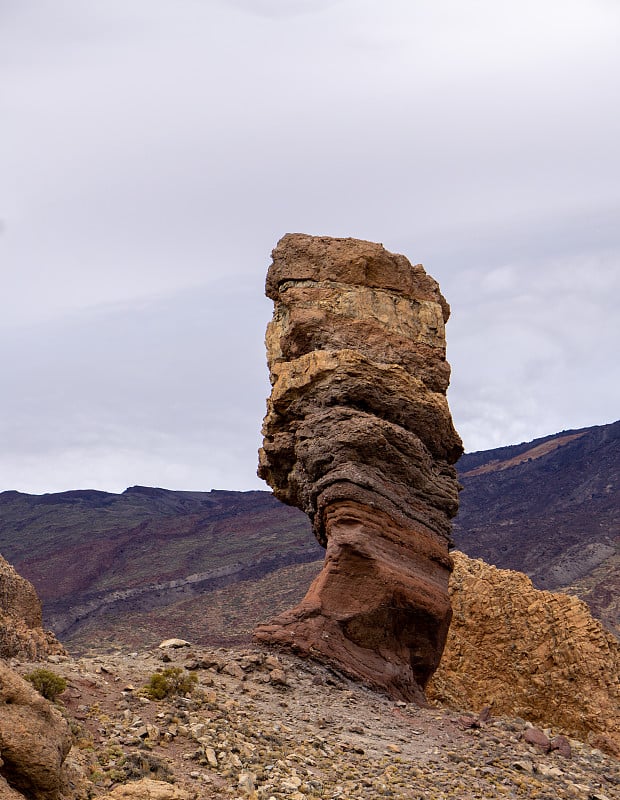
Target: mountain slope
[136,567]
[93,555]
[549,508]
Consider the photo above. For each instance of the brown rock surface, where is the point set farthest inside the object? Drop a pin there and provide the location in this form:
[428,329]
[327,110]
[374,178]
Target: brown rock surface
[34,740]
[147,789]
[358,434]
[6,793]
[21,623]
[530,653]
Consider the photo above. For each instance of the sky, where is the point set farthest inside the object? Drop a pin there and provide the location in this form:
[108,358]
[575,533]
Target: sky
[152,153]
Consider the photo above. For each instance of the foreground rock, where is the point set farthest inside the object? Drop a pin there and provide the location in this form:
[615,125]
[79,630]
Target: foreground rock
[528,653]
[21,619]
[34,741]
[358,434]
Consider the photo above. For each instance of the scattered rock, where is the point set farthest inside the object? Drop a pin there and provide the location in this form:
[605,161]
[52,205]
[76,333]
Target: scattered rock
[232,668]
[549,772]
[174,644]
[524,765]
[469,721]
[278,677]
[537,737]
[251,741]
[561,745]
[246,782]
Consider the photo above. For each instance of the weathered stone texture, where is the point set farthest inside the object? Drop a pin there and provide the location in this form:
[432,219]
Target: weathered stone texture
[21,621]
[529,653]
[34,740]
[358,434]
[147,789]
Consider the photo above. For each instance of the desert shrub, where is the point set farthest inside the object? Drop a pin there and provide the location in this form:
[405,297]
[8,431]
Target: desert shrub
[47,683]
[172,681]
[141,765]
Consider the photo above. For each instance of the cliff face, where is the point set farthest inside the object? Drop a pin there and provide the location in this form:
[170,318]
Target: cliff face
[21,622]
[35,740]
[34,737]
[358,434]
[530,653]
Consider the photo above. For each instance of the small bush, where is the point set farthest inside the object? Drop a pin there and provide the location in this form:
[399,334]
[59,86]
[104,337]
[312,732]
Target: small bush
[141,765]
[172,681]
[47,683]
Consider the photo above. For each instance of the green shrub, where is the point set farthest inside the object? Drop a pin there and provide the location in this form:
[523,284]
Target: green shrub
[172,681]
[47,683]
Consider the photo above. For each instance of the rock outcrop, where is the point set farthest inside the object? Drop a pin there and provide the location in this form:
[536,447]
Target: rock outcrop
[34,741]
[358,434]
[21,622]
[529,653]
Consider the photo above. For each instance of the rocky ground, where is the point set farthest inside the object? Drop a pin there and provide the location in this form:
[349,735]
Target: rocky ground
[264,726]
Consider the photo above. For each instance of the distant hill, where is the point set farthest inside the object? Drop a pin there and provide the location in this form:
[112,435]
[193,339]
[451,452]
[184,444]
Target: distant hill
[118,565]
[129,569]
[549,508]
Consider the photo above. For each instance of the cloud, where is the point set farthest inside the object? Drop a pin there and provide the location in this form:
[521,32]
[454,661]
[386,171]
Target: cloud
[543,330]
[174,387]
[154,152]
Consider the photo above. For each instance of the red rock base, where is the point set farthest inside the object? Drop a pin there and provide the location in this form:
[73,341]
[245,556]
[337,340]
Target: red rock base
[379,610]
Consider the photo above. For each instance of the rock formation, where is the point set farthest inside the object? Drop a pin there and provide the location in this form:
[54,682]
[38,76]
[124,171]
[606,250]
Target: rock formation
[358,434]
[34,741]
[21,622]
[528,653]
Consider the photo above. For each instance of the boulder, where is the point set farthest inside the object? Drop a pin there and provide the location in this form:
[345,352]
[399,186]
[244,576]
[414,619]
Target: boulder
[34,739]
[529,653]
[174,644]
[358,434]
[21,620]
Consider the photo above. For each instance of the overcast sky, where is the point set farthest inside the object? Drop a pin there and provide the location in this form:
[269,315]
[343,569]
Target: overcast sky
[154,151]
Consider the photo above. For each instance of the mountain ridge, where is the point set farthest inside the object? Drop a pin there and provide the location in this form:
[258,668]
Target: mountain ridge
[554,516]
[226,560]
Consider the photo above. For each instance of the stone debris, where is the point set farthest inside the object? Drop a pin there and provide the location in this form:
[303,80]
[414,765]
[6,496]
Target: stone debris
[537,737]
[252,739]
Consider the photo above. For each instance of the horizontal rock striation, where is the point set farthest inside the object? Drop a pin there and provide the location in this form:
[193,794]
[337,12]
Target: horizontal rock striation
[358,434]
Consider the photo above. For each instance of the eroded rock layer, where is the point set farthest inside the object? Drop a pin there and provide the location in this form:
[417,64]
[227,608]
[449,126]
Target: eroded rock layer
[525,652]
[358,434]
[34,741]
[21,622]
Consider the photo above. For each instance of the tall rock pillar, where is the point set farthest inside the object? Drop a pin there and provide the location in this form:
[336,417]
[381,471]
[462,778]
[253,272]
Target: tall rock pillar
[358,434]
